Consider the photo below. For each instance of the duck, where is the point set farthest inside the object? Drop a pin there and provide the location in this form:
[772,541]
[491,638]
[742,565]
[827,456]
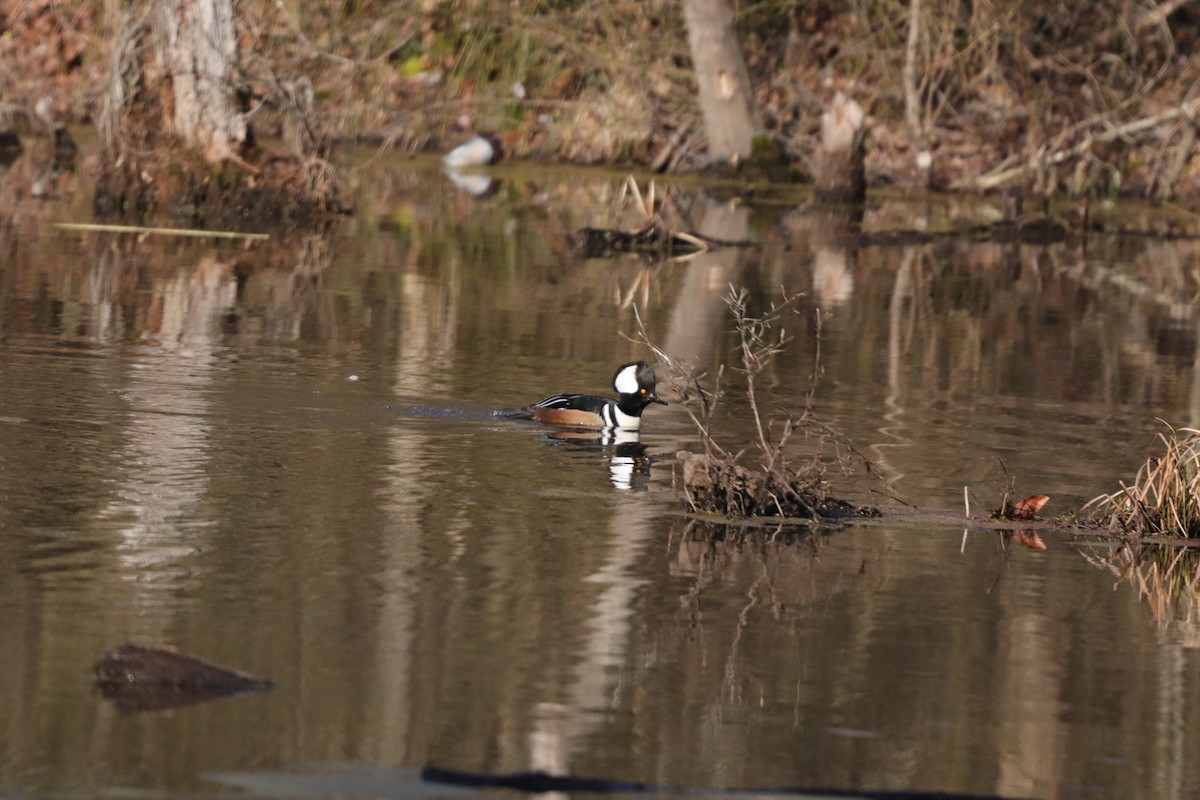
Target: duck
[477,151]
[634,384]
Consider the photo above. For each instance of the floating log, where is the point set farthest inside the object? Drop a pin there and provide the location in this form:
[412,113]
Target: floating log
[653,239]
[142,678]
[1033,230]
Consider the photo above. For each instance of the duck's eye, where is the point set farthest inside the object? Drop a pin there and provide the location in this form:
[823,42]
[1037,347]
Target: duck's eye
[643,391]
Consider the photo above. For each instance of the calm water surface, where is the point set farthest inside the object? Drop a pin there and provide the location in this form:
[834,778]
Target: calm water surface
[280,457]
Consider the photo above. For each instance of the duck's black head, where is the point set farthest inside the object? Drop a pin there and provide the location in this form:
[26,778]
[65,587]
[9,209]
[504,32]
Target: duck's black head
[635,384]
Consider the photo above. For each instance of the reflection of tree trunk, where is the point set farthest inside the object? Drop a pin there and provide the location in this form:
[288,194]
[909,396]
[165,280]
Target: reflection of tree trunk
[562,729]
[162,474]
[1034,744]
[894,425]
[700,312]
[198,40]
[834,240]
[723,83]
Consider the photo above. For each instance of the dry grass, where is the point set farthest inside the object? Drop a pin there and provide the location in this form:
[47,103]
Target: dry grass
[1164,498]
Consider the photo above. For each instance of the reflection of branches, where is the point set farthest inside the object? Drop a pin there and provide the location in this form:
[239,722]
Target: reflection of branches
[642,281]
[1166,577]
[720,555]
[742,621]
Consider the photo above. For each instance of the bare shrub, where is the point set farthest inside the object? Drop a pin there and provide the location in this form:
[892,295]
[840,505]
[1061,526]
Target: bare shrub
[772,483]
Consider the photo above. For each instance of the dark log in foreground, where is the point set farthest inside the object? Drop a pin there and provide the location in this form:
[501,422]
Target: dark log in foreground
[542,782]
[841,172]
[141,678]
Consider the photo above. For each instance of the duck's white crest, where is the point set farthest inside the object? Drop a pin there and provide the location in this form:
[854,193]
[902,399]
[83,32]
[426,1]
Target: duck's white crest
[626,380]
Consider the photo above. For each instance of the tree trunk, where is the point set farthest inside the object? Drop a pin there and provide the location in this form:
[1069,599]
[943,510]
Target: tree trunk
[183,104]
[199,48]
[913,116]
[841,169]
[726,98]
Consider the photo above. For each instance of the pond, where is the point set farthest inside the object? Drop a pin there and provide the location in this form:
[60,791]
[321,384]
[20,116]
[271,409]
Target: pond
[280,456]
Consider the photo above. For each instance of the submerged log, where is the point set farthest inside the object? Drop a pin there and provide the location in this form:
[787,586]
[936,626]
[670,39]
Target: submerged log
[141,678]
[1035,229]
[841,171]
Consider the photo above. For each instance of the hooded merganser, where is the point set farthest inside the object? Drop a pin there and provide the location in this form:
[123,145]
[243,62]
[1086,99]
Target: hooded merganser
[634,385]
[478,151]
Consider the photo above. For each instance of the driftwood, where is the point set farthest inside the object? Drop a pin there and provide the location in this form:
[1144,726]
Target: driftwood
[142,229]
[653,239]
[140,678]
[1033,230]
[1015,228]
[537,783]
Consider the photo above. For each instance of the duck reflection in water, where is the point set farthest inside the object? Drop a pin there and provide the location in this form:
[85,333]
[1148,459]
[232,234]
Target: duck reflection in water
[628,464]
[461,162]
[474,184]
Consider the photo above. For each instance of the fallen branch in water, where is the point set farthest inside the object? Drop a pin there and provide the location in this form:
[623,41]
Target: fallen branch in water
[655,237]
[91,226]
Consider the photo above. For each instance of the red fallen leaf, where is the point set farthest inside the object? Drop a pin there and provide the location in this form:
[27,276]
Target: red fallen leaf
[1029,539]
[1028,508]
